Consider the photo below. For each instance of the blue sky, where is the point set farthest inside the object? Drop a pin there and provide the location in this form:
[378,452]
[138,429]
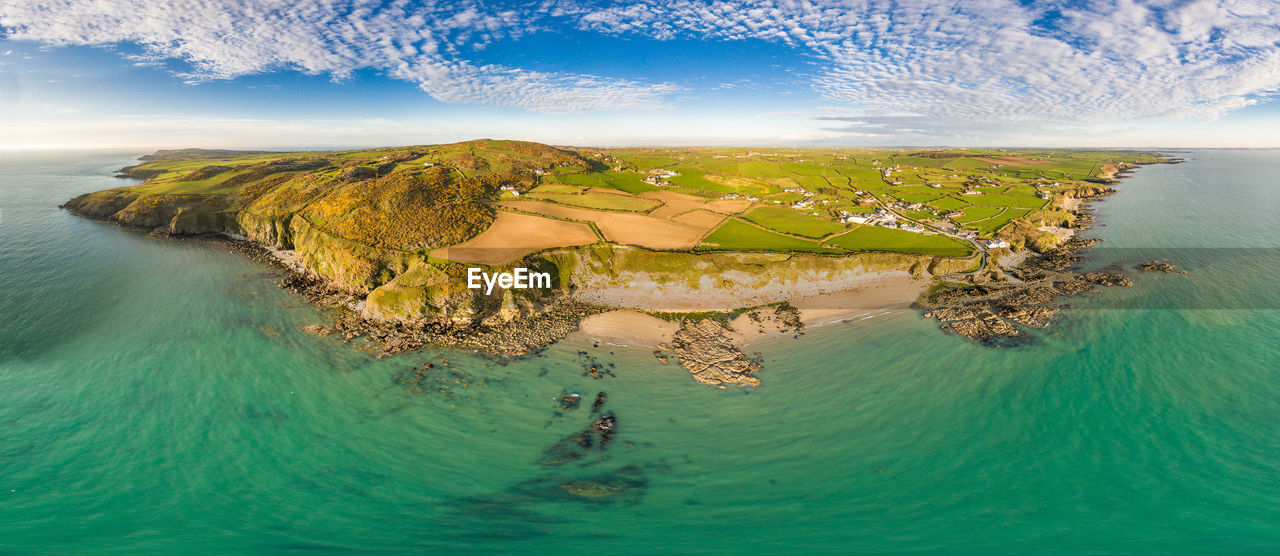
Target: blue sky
[333,73]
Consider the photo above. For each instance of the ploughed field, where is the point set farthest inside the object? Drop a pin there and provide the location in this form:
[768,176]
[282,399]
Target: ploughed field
[496,202]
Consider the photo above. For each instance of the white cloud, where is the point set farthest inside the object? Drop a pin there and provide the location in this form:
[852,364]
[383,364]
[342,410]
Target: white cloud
[1002,62]
[957,69]
[223,40]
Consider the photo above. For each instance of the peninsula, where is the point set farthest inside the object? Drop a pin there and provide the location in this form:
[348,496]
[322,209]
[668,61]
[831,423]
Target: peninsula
[685,248]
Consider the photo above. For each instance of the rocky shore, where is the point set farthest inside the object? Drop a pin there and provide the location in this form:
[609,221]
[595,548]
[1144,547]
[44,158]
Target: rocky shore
[1001,306]
[708,348]
[518,337]
[1000,312]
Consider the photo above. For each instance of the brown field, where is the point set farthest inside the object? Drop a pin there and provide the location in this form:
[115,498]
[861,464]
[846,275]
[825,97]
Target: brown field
[514,235]
[701,219]
[627,229]
[678,203]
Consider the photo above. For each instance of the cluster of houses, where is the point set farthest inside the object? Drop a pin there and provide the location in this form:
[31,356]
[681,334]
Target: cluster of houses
[732,196]
[511,189]
[880,217]
[659,177]
[988,243]
[906,206]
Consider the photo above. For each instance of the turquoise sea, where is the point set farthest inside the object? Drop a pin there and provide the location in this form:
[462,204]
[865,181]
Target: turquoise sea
[159,396]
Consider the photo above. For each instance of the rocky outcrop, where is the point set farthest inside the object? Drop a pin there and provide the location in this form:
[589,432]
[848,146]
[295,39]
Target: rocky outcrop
[999,313]
[1152,266]
[705,347]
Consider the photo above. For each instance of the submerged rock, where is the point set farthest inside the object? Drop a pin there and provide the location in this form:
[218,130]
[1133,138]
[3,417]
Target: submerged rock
[319,330]
[567,449]
[1105,278]
[629,480]
[569,402]
[1151,266]
[606,426]
[597,435]
[430,379]
[627,484]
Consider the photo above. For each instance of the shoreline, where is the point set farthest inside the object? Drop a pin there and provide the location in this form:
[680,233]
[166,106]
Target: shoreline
[707,326]
[628,327]
[1000,308]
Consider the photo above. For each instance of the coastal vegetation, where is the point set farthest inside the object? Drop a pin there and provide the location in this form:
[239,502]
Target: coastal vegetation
[395,227]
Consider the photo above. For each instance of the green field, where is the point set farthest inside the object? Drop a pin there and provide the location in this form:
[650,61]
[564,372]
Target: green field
[949,203]
[736,235]
[557,188]
[603,201]
[871,238]
[918,197]
[994,223]
[972,214]
[789,221]
[1000,200]
[630,182]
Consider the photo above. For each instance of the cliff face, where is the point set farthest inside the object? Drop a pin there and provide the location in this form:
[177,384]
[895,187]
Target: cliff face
[426,292]
[362,223]
[175,213]
[623,276]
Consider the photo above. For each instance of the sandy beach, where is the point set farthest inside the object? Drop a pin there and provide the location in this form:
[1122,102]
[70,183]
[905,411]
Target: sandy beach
[626,328]
[880,293]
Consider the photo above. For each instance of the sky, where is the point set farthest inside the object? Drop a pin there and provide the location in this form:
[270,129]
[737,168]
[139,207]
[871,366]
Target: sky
[351,73]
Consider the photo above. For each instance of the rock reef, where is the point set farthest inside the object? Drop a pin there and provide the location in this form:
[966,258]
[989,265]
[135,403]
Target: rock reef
[706,348]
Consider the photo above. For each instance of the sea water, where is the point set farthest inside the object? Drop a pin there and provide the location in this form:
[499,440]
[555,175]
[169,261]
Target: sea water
[160,396]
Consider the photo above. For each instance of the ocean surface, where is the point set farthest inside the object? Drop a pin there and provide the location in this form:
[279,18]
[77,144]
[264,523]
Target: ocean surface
[158,396]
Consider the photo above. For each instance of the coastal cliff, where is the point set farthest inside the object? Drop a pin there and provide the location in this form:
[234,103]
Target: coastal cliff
[390,235]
